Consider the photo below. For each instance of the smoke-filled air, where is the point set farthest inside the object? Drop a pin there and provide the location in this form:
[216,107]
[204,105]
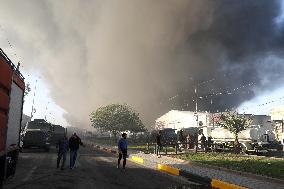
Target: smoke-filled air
[150,54]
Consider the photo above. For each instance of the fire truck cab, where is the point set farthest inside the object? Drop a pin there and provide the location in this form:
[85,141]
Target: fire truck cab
[12,88]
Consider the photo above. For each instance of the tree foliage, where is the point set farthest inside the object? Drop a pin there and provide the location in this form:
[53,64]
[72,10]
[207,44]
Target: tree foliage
[116,118]
[27,90]
[235,123]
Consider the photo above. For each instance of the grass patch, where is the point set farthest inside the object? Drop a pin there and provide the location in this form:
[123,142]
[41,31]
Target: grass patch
[143,148]
[137,147]
[258,165]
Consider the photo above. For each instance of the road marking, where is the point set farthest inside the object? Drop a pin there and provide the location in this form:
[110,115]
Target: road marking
[29,174]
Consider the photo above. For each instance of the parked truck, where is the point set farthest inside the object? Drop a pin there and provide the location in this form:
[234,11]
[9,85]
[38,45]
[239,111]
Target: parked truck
[279,130]
[168,136]
[37,134]
[259,138]
[41,134]
[58,132]
[256,139]
[12,87]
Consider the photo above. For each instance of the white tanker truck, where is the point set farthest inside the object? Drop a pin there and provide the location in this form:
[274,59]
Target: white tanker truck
[255,139]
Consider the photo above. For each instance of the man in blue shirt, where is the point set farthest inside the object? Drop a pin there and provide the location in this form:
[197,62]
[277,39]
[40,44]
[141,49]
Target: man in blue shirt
[122,150]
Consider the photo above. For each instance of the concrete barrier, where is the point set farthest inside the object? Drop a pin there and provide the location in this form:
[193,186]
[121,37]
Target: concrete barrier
[215,183]
[137,159]
[169,169]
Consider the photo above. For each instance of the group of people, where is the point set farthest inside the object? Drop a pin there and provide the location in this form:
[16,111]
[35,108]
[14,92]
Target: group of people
[73,144]
[180,139]
[206,144]
[189,141]
[63,147]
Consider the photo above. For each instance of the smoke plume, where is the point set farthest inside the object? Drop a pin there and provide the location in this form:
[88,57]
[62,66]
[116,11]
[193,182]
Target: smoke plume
[143,53]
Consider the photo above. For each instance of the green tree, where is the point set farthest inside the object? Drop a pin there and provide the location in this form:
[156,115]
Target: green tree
[235,123]
[116,118]
[27,90]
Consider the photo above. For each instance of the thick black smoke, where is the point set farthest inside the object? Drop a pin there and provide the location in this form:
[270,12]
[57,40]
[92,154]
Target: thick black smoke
[244,44]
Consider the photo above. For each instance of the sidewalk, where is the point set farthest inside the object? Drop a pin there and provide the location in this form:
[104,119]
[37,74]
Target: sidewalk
[246,180]
[205,171]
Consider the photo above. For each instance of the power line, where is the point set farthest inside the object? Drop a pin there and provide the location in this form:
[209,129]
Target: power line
[227,92]
[264,104]
[13,51]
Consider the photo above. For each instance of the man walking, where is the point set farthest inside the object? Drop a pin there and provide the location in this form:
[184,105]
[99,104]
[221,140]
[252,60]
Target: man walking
[159,143]
[62,146]
[180,140]
[203,142]
[122,150]
[74,143]
[210,143]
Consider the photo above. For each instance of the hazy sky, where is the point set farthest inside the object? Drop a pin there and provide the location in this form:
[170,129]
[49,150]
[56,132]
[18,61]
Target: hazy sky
[86,54]
[44,105]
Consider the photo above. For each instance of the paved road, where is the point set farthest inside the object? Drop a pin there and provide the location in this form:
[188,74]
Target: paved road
[94,169]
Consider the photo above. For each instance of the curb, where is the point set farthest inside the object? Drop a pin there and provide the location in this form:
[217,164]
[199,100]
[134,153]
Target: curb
[247,174]
[215,183]
[137,159]
[168,169]
[206,181]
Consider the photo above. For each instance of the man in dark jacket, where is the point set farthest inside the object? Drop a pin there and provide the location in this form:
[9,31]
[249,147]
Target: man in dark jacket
[63,148]
[74,143]
[180,140]
[159,143]
[203,142]
[122,150]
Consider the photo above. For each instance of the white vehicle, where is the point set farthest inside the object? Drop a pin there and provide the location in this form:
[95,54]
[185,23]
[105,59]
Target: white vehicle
[255,139]
[279,130]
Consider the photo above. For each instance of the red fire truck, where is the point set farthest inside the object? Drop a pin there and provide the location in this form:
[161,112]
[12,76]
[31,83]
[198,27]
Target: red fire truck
[12,87]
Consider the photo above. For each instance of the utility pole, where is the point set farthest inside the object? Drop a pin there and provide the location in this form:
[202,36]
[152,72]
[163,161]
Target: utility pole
[33,109]
[45,117]
[195,91]
[196,105]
